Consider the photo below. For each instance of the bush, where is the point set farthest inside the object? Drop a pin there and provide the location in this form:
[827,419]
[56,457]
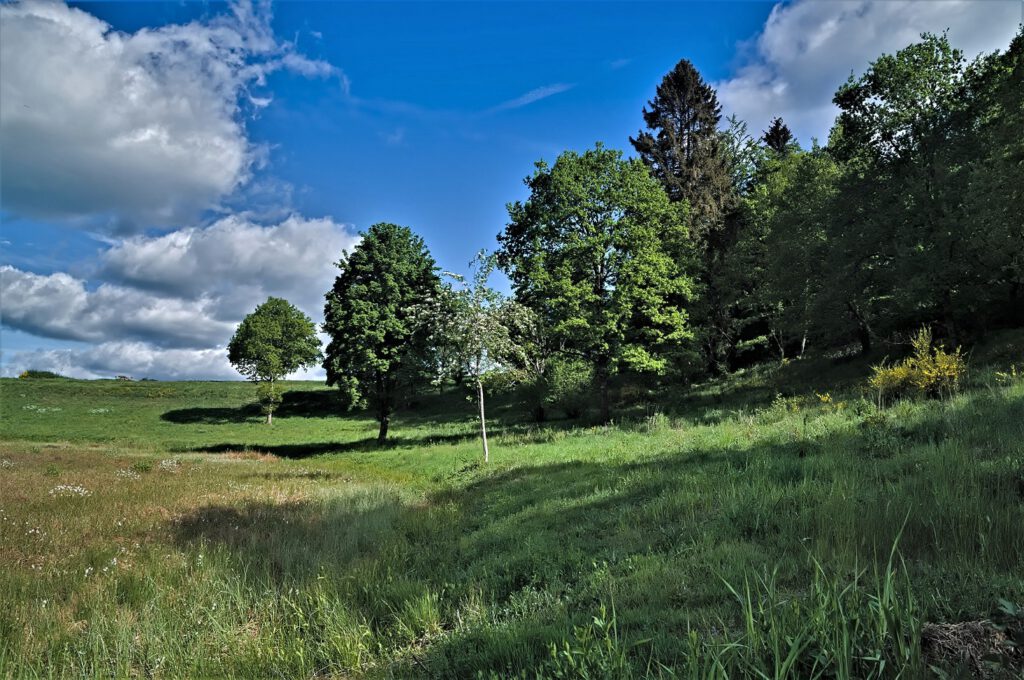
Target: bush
[569,383]
[929,371]
[32,374]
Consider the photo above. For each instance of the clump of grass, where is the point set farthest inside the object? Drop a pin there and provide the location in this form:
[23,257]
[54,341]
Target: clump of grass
[142,466]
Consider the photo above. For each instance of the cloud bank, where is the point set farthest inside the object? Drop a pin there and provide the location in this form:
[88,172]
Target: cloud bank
[166,298]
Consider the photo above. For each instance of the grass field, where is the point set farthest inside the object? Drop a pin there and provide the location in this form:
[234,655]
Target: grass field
[162,530]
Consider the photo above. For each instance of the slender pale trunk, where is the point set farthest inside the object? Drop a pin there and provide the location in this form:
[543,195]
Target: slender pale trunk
[270,406]
[483,419]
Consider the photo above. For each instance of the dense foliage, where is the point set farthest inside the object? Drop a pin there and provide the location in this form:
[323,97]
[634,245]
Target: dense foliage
[379,350]
[273,341]
[912,213]
[596,252]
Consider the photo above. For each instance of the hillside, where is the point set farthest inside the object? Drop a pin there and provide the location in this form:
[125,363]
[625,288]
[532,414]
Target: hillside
[163,529]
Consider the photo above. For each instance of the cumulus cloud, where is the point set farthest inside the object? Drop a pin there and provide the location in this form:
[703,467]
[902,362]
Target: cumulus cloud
[134,129]
[135,359]
[60,306]
[807,49]
[235,262]
[166,305]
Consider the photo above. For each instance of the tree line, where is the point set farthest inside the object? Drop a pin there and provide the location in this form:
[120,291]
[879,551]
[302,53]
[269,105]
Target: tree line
[709,251]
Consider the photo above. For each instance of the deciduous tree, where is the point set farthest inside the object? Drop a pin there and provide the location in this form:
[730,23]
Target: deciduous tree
[379,337]
[591,251]
[271,342]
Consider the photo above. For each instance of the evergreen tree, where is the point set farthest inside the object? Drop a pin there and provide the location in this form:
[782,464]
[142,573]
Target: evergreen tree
[778,137]
[683,148]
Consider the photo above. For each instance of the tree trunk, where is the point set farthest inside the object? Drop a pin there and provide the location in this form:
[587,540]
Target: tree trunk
[603,379]
[863,330]
[483,420]
[270,404]
[382,434]
[864,335]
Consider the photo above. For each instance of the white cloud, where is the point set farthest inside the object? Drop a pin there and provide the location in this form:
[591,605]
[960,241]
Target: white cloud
[133,129]
[806,50]
[60,306]
[236,263]
[167,305]
[134,359]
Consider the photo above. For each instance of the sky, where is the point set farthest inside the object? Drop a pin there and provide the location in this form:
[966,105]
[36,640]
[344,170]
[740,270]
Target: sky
[164,167]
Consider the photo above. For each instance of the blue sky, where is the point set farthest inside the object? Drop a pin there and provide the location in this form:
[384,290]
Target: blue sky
[166,166]
[421,138]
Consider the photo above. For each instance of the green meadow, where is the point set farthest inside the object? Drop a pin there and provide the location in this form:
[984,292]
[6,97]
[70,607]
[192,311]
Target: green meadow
[774,524]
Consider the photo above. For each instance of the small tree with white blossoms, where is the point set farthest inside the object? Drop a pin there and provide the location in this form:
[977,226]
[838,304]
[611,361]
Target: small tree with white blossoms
[474,329]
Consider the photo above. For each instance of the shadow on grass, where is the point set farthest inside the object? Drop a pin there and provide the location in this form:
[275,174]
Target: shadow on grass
[212,415]
[307,450]
[541,546]
[294,404]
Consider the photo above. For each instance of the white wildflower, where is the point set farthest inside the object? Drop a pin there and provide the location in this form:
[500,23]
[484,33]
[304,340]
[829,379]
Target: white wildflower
[69,490]
[170,465]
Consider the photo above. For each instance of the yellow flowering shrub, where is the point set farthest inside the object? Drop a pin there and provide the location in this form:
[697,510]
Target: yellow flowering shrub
[929,371]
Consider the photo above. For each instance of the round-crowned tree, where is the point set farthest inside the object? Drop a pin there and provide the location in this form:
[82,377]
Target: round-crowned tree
[274,340]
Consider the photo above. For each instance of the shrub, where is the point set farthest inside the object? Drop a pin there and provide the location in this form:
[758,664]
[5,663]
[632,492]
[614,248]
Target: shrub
[32,374]
[882,436]
[929,371]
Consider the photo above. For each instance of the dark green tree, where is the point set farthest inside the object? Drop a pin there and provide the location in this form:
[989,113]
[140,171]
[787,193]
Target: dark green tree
[379,345]
[905,224]
[778,137]
[793,204]
[595,252]
[683,148]
[274,340]
[990,174]
[708,169]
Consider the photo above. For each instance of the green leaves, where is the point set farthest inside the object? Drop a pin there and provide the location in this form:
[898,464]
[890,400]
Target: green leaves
[273,341]
[379,338]
[595,252]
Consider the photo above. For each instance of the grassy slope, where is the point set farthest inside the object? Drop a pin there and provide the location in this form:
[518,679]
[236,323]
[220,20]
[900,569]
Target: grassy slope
[334,557]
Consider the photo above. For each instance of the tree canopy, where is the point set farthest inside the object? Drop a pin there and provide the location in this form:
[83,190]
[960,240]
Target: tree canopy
[274,340]
[379,351]
[596,252]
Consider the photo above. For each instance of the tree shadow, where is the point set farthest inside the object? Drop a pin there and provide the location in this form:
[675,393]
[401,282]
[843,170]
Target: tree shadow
[294,404]
[544,545]
[220,415]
